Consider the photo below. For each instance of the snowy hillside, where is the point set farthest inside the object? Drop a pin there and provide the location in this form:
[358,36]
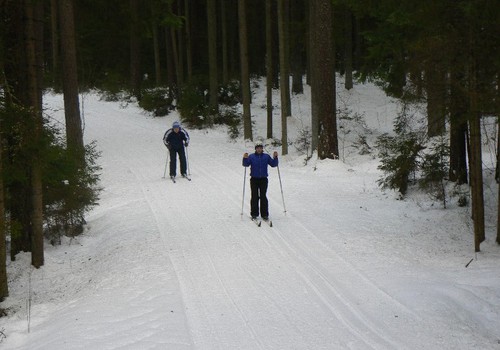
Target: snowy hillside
[176,266]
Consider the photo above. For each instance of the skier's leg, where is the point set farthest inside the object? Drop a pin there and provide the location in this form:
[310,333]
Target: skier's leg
[182,159]
[264,204]
[173,162]
[254,200]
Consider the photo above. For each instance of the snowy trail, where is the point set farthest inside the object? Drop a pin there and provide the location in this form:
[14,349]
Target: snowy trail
[205,277]
[245,287]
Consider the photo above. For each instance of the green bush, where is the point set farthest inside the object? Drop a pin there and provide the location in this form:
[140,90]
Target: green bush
[159,101]
[399,155]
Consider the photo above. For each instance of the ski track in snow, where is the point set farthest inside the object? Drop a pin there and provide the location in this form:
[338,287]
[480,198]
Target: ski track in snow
[242,286]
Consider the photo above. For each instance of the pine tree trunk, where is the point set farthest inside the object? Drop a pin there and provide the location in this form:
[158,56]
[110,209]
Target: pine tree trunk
[170,58]
[313,72]
[189,49]
[245,74]
[212,57]
[32,16]
[4,288]
[156,49]
[269,68]
[74,133]
[498,181]
[458,129]
[225,61]
[477,182]
[348,50]
[55,43]
[181,45]
[296,45]
[135,50]
[284,75]
[435,83]
[324,89]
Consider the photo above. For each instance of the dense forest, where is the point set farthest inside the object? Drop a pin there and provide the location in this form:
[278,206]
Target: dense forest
[199,57]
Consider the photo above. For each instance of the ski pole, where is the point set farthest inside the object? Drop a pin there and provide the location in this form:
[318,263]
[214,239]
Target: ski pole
[281,187]
[166,164]
[187,161]
[243,199]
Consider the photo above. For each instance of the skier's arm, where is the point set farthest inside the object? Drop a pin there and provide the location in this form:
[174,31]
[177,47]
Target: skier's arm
[186,137]
[273,162]
[246,160]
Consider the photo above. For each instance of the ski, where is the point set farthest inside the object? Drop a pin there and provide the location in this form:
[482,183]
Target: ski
[269,222]
[256,221]
[172,178]
[186,177]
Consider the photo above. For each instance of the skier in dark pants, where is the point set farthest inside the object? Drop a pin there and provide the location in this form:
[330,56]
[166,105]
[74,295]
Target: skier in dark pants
[176,139]
[258,163]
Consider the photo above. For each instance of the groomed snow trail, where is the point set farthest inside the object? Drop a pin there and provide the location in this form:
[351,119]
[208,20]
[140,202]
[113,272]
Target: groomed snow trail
[245,287]
[222,282]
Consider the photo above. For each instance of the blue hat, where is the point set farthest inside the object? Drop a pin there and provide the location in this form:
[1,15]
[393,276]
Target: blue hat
[176,125]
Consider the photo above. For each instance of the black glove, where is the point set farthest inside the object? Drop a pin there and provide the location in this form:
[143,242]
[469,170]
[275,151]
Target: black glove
[169,147]
[186,144]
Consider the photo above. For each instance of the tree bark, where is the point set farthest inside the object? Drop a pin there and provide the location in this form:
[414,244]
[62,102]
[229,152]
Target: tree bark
[4,288]
[458,128]
[55,42]
[284,74]
[34,95]
[156,49]
[189,49]
[313,71]
[435,83]
[225,61]
[245,75]
[324,89]
[269,68]
[348,50]
[135,50]
[74,133]
[498,180]
[212,57]
[296,45]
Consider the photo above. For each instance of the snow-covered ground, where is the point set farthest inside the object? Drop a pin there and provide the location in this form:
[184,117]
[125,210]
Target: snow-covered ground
[176,266]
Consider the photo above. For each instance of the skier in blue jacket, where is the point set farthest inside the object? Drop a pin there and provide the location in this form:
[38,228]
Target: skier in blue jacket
[258,163]
[176,138]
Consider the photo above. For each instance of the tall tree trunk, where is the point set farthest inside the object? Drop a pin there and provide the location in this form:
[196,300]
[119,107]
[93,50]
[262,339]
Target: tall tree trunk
[269,68]
[476,163]
[212,57]
[225,62]
[135,50]
[348,49]
[324,89]
[55,43]
[181,45]
[32,16]
[476,168]
[284,74]
[156,49]
[313,71]
[435,83]
[4,288]
[245,74]
[296,45]
[189,49]
[74,133]
[498,178]
[458,128]
[170,58]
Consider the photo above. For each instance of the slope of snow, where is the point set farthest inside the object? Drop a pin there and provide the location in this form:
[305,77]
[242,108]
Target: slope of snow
[176,266]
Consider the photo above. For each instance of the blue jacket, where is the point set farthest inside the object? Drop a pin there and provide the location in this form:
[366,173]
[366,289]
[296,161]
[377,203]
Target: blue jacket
[259,163]
[176,140]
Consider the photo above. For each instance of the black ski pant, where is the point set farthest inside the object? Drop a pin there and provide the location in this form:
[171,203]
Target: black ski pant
[173,161]
[258,185]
